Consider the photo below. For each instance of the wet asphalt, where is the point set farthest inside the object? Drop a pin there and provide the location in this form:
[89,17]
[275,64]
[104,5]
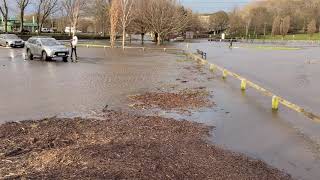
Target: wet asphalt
[37,89]
[243,121]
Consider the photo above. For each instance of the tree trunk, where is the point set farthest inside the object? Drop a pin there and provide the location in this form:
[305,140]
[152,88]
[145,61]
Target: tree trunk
[142,38]
[123,37]
[74,27]
[112,40]
[38,22]
[156,37]
[21,19]
[6,24]
[70,29]
[247,31]
[159,39]
[103,30]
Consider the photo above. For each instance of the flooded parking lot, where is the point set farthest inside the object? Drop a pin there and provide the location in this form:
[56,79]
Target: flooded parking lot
[244,122]
[292,74]
[33,89]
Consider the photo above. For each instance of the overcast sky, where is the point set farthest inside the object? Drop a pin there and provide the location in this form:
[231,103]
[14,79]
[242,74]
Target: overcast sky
[209,6]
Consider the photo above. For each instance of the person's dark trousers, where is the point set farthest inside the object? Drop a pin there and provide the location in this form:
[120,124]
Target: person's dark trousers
[74,49]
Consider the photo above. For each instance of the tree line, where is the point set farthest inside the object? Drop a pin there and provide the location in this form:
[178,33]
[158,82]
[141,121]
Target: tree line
[42,10]
[163,18]
[275,17]
[160,17]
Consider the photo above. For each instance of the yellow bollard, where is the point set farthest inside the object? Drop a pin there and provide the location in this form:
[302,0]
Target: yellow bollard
[224,74]
[164,49]
[243,84]
[212,67]
[275,103]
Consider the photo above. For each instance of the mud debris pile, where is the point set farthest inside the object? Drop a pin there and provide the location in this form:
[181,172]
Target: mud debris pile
[121,146]
[182,100]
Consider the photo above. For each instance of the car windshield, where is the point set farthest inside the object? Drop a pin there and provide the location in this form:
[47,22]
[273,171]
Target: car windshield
[11,36]
[50,42]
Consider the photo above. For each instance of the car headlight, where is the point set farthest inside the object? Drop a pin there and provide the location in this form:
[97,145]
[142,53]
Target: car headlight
[50,52]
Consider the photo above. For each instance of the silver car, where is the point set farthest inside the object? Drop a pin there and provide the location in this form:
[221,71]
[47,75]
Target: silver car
[46,48]
[11,40]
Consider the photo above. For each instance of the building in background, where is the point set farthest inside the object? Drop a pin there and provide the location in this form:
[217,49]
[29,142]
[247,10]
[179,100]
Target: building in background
[13,25]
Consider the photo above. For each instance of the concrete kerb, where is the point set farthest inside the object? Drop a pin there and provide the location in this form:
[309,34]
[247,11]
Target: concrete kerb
[133,47]
[275,100]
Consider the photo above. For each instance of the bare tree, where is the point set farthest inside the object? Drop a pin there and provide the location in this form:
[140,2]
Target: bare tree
[219,21]
[236,23]
[62,19]
[73,9]
[114,21]
[126,17]
[276,26]
[312,27]
[285,26]
[5,13]
[139,25]
[45,8]
[301,12]
[248,24]
[100,10]
[260,19]
[194,23]
[165,17]
[22,5]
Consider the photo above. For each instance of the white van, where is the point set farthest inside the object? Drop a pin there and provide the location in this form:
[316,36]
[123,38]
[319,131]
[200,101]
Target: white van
[70,30]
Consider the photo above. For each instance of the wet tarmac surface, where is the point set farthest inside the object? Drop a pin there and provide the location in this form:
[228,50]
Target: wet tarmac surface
[244,122]
[33,89]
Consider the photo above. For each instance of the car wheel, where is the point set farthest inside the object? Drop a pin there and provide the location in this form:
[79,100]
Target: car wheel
[29,54]
[44,56]
[7,45]
[65,59]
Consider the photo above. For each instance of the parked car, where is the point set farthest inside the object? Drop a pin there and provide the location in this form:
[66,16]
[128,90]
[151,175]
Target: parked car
[46,48]
[179,39]
[11,40]
[46,30]
[70,30]
[25,31]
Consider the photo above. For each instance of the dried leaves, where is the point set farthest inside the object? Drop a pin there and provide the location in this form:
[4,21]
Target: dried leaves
[183,100]
[121,146]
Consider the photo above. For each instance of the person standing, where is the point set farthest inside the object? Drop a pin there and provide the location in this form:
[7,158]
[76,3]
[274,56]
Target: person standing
[231,43]
[74,43]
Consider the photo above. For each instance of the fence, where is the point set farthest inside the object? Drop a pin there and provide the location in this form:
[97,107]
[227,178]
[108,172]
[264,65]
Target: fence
[276,100]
